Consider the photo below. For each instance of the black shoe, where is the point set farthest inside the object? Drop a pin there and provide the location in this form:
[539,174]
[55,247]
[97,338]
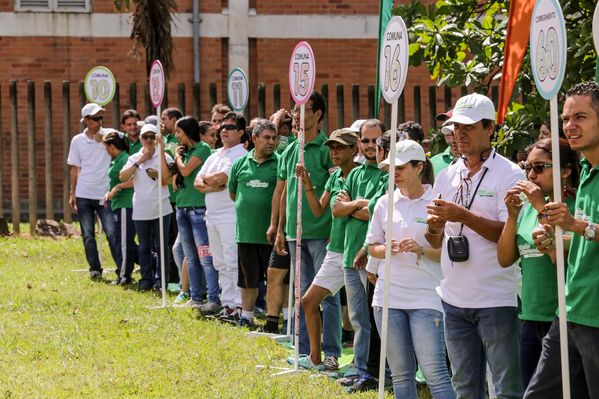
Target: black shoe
[365,383]
[145,285]
[95,275]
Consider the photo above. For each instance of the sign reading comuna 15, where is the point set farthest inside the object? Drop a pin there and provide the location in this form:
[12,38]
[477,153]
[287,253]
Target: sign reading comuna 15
[302,72]
[238,89]
[99,85]
[393,59]
[156,83]
[548,47]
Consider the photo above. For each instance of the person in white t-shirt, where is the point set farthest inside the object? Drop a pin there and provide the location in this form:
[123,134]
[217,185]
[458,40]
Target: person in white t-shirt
[220,216]
[415,312]
[142,167]
[479,297]
[89,163]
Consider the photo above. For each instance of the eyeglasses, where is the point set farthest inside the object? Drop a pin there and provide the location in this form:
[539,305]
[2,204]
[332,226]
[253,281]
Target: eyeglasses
[366,141]
[229,127]
[462,195]
[95,118]
[149,138]
[538,168]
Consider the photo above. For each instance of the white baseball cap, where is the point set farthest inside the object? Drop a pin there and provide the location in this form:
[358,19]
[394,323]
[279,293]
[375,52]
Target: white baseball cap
[447,129]
[472,108]
[151,119]
[89,110]
[148,128]
[405,151]
[357,125]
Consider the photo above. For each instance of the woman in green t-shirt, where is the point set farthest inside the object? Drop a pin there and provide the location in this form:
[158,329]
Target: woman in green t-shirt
[516,244]
[119,198]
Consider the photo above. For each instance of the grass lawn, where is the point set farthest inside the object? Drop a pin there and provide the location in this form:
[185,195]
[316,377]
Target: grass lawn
[64,336]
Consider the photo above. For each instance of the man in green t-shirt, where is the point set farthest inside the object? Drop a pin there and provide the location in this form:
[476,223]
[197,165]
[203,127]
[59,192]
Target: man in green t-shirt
[283,122]
[130,125]
[580,118]
[447,157]
[315,230]
[251,186]
[361,184]
[168,119]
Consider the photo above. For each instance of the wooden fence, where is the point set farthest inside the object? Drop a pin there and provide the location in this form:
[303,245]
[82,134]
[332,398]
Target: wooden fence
[37,207]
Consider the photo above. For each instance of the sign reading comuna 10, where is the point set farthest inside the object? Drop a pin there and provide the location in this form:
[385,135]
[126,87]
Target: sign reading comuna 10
[393,59]
[548,47]
[302,72]
[99,85]
[238,89]
[156,83]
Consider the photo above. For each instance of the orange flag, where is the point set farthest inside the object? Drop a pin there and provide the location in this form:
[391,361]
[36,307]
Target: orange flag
[516,42]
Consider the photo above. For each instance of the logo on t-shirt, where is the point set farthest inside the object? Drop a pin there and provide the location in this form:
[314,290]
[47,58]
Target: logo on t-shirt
[257,184]
[526,251]
[485,193]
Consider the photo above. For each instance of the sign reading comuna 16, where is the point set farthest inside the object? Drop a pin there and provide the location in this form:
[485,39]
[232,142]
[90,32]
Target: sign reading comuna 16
[238,89]
[156,83]
[548,47]
[393,59]
[99,85]
[302,72]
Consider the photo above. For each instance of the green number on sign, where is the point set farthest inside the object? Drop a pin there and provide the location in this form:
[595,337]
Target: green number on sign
[547,55]
[392,68]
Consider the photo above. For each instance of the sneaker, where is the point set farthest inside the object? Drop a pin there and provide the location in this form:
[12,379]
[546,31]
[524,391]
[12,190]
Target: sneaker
[95,275]
[330,363]
[365,383]
[243,322]
[116,281]
[208,308]
[182,298]
[352,372]
[305,362]
[229,315]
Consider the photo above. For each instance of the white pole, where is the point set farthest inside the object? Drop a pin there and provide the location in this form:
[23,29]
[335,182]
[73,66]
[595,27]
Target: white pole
[559,251]
[298,241]
[290,299]
[159,145]
[388,237]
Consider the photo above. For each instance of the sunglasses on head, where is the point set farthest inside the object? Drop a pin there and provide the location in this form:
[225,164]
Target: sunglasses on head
[95,118]
[538,168]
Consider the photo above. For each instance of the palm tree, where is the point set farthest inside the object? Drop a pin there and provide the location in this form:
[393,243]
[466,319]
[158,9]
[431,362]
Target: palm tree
[152,30]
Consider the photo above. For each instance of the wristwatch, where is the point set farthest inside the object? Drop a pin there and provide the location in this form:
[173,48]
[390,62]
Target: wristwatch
[590,232]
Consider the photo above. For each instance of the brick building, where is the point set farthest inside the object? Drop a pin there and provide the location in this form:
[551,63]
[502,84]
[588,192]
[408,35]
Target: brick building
[58,40]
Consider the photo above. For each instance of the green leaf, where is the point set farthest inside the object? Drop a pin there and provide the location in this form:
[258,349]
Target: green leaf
[414,47]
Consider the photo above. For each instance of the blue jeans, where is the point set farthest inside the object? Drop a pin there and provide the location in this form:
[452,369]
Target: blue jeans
[531,339]
[148,233]
[313,253]
[178,256]
[419,332]
[357,307]
[477,336]
[125,237]
[194,237]
[85,209]
[583,353]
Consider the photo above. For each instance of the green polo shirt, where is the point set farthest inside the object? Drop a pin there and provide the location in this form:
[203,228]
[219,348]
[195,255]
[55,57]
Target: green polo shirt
[124,198]
[170,145]
[318,162]
[253,184]
[284,141]
[442,160]
[582,278]
[187,195]
[334,185]
[362,182]
[539,290]
[134,147]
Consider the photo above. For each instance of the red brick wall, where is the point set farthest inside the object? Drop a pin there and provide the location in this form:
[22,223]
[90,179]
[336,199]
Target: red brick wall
[344,7]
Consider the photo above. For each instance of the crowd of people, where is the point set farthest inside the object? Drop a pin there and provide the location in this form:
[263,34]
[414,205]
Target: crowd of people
[472,275]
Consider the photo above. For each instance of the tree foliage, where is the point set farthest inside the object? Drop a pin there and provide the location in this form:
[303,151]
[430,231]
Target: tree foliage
[151,30]
[461,42]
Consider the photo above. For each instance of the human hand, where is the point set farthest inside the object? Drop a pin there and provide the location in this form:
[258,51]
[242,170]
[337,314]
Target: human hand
[513,202]
[372,278]
[271,234]
[360,259]
[533,193]
[558,214]
[73,201]
[447,211]
[280,245]
[409,245]
[342,196]
[544,239]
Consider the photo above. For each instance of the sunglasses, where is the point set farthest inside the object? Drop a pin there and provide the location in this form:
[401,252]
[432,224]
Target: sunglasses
[366,141]
[149,138]
[229,127]
[538,168]
[95,118]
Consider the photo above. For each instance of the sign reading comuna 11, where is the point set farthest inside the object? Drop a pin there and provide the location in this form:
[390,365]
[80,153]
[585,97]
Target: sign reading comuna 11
[156,83]
[548,47]
[238,89]
[393,59]
[99,85]
[302,72]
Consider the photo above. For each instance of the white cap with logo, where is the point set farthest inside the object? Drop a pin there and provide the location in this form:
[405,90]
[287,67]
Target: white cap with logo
[472,108]
[405,151]
[148,129]
[89,110]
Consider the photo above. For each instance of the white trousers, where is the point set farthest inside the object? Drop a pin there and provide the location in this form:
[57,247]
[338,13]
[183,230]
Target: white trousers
[224,258]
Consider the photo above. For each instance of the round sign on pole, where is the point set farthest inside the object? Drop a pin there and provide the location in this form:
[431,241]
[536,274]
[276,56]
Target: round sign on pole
[156,83]
[548,47]
[596,29]
[393,59]
[302,73]
[99,85]
[238,89]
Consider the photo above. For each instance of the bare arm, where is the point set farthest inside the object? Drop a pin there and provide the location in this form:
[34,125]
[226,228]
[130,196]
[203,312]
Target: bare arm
[344,206]
[274,212]
[507,251]
[362,214]
[74,175]
[202,187]
[217,179]
[192,164]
